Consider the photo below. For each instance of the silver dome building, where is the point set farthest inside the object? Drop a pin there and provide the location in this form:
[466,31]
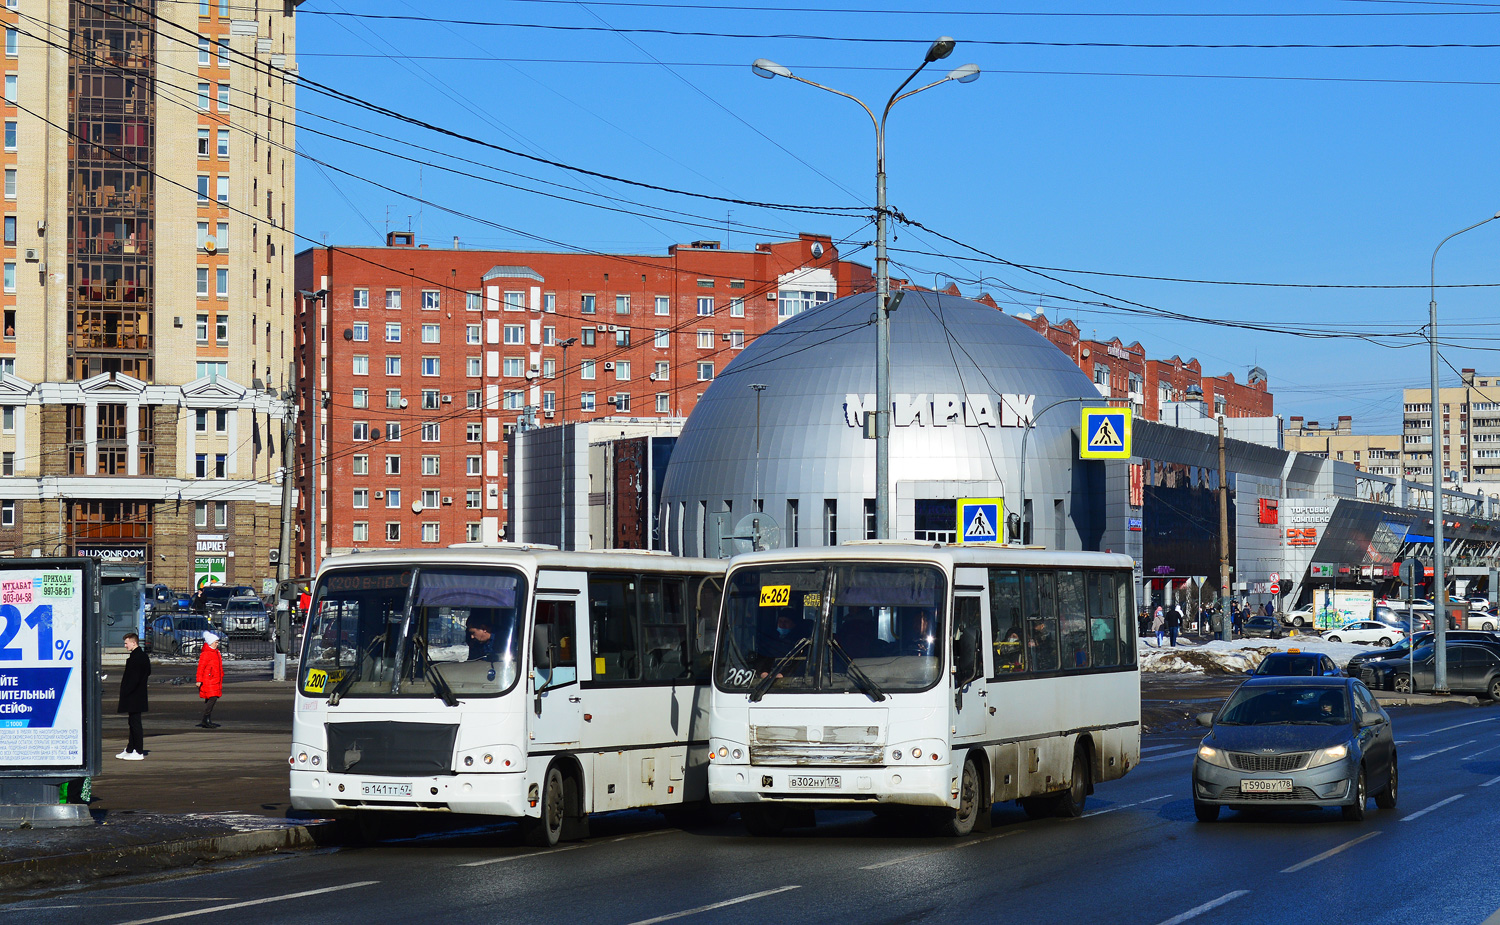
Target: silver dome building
[965,381]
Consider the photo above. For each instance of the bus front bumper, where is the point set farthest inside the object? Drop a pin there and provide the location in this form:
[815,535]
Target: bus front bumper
[499,794]
[915,785]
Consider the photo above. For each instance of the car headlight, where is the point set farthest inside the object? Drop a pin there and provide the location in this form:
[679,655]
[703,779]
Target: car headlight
[1328,756]
[1214,756]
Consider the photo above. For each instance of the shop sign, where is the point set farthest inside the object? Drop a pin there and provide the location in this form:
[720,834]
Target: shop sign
[114,553]
[1137,485]
[209,570]
[939,409]
[1269,510]
[1302,536]
[218,544]
[1133,524]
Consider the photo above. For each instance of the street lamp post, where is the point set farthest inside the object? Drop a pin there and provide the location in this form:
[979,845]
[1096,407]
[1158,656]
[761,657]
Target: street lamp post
[562,448]
[966,73]
[1027,425]
[1440,588]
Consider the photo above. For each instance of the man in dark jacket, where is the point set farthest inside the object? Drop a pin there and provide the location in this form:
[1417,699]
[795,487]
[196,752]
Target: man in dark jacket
[133,696]
[1174,623]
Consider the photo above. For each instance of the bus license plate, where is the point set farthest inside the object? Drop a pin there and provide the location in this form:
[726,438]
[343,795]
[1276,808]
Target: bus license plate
[1266,786]
[822,782]
[384,790]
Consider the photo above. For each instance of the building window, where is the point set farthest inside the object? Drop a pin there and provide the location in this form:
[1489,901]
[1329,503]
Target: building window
[622,305]
[432,300]
[549,302]
[213,369]
[663,371]
[200,465]
[392,398]
[361,497]
[622,337]
[471,532]
[430,366]
[429,533]
[221,465]
[622,371]
[221,188]
[392,432]
[10,183]
[736,308]
[361,298]
[200,422]
[471,369]
[515,334]
[361,430]
[223,142]
[393,497]
[393,464]
[8,420]
[663,305]
[706,305]
[471,498]
[361,464]
[705,340]
[663,403]
[515,301]
[393,532]
[549,401]
[737,340]
[472,432]
[662,339]
[473,302]
[795,302]
[360,532]
[429,399]
[471,333]
[360,365]
[586,336]
[223,97]
[549,368]
[202,188]
[431,432]
[513,366]
[361,331]
[471,399]
[586,369]
[392,332]
[393,299]
[705,372]
[204,142]
[392,366]
[7,463]
[621,401]
[221,282]
[585,401]
[10,276]
[471,466]
[515,399]
[202,326]
[10,134]
[587,305]
[204,91]
[431,333]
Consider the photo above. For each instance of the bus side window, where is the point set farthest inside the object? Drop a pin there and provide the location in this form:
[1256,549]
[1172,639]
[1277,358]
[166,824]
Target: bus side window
[1073,613]
[559,618]
[664,629]
[614,622]
[1040,599]
[1103,623]
[1006,621]
[1125,616]
[968,654]
[707,595]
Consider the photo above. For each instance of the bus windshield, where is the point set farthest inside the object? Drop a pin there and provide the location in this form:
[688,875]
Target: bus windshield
[871,628]
[414,632]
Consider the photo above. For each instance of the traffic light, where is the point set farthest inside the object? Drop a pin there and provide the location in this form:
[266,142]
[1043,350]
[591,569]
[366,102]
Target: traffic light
[1412,573]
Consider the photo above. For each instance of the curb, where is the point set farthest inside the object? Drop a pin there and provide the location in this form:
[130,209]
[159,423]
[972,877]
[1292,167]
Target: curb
[1423,700]
[63,869]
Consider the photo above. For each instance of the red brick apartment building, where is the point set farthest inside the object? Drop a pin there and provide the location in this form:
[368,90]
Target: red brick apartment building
[414,361]
[1122,371]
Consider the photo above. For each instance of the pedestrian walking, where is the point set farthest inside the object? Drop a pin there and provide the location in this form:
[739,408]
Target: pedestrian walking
[1270,609]
[1174,623]
[210,677]
[1237,622]
[133,696]
[1159,625]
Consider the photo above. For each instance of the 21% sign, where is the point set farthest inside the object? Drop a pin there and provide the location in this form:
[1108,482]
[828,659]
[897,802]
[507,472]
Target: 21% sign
[39,619]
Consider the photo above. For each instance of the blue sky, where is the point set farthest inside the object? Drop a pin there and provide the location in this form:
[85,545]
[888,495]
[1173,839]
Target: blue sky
[1308,166]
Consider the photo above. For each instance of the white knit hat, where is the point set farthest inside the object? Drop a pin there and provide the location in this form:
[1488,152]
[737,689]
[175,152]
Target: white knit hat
[210,637]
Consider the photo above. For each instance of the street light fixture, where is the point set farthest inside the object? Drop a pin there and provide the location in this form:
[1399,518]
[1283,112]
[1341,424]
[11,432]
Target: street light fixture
[1440,589]
[967,73]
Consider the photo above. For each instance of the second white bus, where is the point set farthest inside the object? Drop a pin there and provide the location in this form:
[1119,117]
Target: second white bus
[946,677]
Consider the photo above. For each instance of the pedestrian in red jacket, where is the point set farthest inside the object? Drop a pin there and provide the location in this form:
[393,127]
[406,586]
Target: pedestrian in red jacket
[210,677]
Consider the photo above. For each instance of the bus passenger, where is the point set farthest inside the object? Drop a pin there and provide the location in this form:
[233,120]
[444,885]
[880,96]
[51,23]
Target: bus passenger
[923,640]
[482,644]
[1008,652]
[1042,645]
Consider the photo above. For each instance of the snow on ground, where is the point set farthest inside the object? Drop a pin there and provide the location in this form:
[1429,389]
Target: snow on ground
[1237,657]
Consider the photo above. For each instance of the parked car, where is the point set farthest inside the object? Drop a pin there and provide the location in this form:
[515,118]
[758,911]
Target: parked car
[1296,742]
[210,599]
[1472,667]
[175,634]
[1261,625]
[246,616]
[1295,663]
[1302,616]
[1482,620]
[1417,640]
[1366,631]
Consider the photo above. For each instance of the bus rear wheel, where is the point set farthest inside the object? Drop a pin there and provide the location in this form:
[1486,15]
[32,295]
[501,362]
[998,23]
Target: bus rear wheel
[764,820]
[957,823]
[546,831]
[1070,802]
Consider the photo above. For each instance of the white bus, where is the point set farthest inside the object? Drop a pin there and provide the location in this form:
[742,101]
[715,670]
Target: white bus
[949,677]
[506,680]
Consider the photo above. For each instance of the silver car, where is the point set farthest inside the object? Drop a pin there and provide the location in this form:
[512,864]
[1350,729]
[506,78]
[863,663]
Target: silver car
[246,616]
[1307,742]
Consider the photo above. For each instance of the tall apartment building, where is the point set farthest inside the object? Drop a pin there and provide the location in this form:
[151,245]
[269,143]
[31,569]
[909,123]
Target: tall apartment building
[1377,454]
[418,361]
[1123,371]
[148,177]
[1470,430]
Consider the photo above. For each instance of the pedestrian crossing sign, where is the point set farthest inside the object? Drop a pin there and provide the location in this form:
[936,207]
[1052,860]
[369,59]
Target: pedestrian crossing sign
[1106,434]
[980,520]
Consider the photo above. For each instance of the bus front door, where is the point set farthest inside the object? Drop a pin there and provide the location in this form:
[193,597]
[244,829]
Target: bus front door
[556,700]
[969,689]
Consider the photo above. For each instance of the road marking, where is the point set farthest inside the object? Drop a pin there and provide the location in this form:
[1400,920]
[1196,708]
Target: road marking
[1423,812]
[1100,812]
[719,905]
[519,857]
[1199,910]
[912,857]
[1441,750]
[253,902]
[1189,751]
[1493,780]
[1157,748]
[1481,752]
[642,835]
[1461,725]
[1329,853]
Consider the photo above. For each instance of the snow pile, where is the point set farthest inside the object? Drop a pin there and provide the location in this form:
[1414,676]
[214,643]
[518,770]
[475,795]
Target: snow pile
[1237,657]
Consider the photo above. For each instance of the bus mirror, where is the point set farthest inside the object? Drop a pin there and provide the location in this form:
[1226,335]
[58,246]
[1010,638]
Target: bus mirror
[541,647]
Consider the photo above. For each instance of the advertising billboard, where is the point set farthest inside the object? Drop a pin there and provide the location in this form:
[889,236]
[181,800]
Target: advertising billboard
[43,667]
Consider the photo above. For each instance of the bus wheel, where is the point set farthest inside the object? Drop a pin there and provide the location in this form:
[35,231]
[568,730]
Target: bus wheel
[547,830]
[960,822]
[1070,802]
[764,820]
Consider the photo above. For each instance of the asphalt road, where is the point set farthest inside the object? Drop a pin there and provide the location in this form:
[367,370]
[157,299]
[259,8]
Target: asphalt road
[1136,856]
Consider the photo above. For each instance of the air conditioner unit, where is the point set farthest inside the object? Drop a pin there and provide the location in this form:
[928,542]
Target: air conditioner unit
[612,400]
[379,495]
[608,366]
[33,255]
[447,399]
[536,368]
[549,414]
[601,327]
[725,338]
[447,499]
[613,328]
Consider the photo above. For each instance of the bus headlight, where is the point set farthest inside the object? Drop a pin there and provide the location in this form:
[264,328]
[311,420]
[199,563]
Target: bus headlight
[723,752]
[468,761]
[916,753]
[735,754]
[895,754]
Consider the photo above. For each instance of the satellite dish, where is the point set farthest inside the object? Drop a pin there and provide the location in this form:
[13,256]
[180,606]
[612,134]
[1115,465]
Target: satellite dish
[416,507]
[756,533]
[210,246]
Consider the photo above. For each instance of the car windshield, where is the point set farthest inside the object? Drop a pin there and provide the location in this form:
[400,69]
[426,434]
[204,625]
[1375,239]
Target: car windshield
[870,628]
[1290,666]
[255,606]
[190,624]
[459,635]
[1279,706]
